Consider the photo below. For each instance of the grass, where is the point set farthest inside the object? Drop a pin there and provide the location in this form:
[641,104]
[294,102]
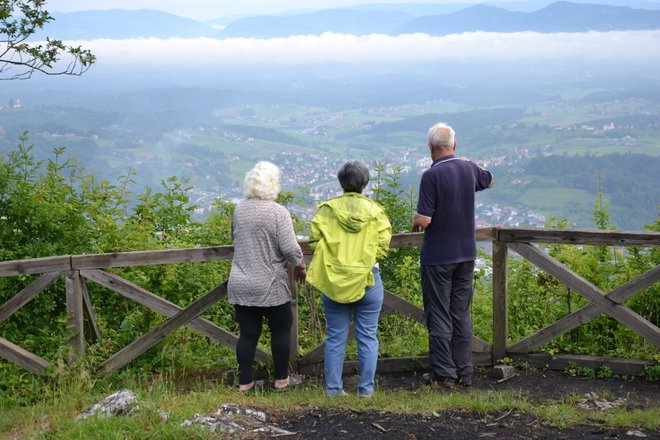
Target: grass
[164,405]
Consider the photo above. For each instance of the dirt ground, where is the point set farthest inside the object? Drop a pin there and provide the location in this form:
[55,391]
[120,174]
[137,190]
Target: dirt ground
[539,385]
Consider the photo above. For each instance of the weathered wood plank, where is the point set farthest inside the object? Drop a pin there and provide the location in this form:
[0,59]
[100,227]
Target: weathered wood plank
[486,234]
[21,357]
[592,293]
[141,258]
[392,365]
[629,367]
[416,239]
[500,300]
[481,346]
[164,307]
[74,312]
[413,239]
[76,262]
[403,307]
[307,251]
[559,362]
[27,294]
[293,354]
[93,329]
[35,266]
[313,356]
[585,314]
[410,239]
[580,236]
[160,332]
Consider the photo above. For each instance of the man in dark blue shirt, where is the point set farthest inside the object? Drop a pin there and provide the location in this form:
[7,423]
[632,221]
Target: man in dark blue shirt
[445,211]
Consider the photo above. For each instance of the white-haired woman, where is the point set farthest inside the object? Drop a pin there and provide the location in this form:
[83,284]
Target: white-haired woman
[264,246]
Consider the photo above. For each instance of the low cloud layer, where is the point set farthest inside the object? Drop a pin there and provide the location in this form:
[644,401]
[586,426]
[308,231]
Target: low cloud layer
[631,46]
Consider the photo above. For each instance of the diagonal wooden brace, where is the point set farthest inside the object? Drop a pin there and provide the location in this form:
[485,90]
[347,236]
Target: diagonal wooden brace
[164,307]
[27,294]
[590,292]
[157,334]
[585,314]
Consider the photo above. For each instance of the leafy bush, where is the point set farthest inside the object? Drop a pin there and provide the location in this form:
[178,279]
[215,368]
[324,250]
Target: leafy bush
[55,208]
[651,373]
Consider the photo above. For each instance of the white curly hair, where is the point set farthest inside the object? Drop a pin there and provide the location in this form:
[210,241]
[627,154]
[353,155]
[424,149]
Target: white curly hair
[441,136]
[262,181]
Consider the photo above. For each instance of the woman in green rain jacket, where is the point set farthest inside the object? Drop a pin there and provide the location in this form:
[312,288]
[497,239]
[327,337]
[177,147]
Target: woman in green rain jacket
[349,234]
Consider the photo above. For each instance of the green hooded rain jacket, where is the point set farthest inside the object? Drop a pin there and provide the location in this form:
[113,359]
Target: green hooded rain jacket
[348,235]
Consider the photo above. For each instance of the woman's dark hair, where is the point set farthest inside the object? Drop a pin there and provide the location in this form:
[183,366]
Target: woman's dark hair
[353,176]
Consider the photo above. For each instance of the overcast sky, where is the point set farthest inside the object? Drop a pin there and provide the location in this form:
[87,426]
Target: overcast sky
[209,9]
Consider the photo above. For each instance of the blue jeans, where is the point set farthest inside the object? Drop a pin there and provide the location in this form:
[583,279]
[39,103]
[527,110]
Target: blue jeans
[365,313]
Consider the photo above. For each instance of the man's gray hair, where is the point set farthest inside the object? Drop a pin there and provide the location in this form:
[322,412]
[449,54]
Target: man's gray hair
[262,181]
[441,136]
[353,176]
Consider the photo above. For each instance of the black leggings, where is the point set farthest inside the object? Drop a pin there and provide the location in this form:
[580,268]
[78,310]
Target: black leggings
[250,322]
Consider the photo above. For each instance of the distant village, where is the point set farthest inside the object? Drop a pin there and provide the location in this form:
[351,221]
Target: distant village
[12,104]
[316,173]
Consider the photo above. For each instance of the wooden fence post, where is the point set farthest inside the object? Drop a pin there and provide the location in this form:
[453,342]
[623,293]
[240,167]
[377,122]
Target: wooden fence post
[293,357]
[74,313]
[500,300]
[93,331]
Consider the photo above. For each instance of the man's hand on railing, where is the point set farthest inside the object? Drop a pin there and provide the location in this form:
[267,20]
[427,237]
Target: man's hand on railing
[420,222]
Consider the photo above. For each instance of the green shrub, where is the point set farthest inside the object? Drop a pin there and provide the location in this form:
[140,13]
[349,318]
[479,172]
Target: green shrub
[651,373]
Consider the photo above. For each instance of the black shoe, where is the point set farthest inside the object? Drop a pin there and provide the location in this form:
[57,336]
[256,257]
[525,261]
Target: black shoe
[429,378]
[447,383]
[465,381]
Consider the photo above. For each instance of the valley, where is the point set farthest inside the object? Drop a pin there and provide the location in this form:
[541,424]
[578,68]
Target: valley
[309,143]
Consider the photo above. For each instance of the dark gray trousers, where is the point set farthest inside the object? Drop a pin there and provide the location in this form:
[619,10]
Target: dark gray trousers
[447,291]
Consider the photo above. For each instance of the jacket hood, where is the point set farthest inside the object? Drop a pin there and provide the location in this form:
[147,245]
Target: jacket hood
[351,212]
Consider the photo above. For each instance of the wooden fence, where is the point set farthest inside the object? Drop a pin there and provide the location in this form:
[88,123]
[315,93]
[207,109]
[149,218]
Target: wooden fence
[77,270]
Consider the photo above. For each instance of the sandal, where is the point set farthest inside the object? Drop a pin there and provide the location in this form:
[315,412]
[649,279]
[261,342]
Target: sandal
[282,384]
[244,388]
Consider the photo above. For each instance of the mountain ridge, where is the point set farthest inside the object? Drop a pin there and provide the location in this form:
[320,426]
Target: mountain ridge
[559,16]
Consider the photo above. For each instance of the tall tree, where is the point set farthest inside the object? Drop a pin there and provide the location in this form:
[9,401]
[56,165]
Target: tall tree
[20,58]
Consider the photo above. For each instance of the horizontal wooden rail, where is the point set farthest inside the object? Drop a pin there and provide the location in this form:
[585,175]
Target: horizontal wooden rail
[35,266]
[593,237]
[215,253]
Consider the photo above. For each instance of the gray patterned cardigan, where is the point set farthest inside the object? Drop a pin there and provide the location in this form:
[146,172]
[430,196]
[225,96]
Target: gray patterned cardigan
[264,242]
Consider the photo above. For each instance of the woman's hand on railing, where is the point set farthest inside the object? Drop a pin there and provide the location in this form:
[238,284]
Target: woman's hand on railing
[300,273]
